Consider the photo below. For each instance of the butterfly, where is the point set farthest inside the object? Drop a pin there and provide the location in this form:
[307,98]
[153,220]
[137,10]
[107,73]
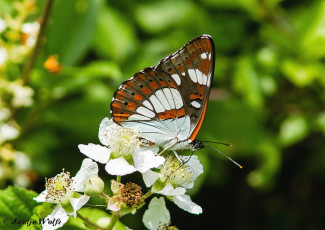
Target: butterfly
[167,103]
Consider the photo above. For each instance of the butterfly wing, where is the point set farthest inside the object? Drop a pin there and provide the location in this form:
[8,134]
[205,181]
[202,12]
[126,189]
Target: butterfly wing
[192,67]
[168,102]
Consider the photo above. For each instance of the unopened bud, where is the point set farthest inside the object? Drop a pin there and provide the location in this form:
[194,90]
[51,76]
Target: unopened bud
[93,185]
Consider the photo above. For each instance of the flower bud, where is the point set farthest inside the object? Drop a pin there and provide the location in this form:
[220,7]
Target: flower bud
[93,185]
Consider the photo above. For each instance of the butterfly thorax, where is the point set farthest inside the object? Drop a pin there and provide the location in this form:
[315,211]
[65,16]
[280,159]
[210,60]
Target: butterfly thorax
[185,144]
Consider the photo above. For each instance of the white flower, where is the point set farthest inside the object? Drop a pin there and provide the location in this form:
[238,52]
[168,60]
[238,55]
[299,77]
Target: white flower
[3,25]
[122,145]
[3,56]
[4,113]
[22,95]
[157,215]
[61,190]
[31,30]
[8,132]
[22,161]
[173,178]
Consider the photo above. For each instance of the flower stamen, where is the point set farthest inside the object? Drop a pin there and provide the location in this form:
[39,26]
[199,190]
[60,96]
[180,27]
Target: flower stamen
[175,172]
[59,188]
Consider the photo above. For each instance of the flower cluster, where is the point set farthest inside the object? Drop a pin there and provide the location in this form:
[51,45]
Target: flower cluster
[18,35]
[123,152]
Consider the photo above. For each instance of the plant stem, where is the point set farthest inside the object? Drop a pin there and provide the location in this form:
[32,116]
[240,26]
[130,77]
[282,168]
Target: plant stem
[118,179]
[31,61]
[114,218]
[104,196]
[86,220]
[145,196]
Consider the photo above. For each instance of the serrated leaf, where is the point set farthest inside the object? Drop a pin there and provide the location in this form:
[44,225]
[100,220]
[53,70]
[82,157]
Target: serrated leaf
[16,203]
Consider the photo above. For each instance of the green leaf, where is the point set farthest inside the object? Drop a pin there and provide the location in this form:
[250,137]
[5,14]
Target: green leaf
[16,203]
[247,82]
[300,74]
[293,129]
[72,29]
[114,37]
[311,24]
[158,16]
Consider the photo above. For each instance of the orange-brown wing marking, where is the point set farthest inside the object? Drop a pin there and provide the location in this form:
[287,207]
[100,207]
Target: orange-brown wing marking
[171,114]
[199,124]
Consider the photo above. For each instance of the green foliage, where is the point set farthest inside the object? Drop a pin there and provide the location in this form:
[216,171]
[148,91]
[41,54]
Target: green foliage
[267,98]
[16,203]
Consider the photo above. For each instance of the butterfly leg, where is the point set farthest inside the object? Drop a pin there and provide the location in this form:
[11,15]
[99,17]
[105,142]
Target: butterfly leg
[168,147]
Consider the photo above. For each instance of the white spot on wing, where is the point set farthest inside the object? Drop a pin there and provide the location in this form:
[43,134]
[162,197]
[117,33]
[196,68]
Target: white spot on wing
[183,73]
[209,81]
[176,79]
[204,56]
[147,104]
[156,104]
[137,117]
[169,97]
[205,78]
[196,104]
[199,76]
[192,74]
[163,100]
[146,112]
[177,98]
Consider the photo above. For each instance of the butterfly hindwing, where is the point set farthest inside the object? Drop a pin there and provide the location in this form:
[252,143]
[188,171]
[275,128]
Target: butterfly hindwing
[192,67]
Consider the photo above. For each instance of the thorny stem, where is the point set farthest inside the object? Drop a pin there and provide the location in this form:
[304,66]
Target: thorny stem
[114,218]
[31,61]
[89,222]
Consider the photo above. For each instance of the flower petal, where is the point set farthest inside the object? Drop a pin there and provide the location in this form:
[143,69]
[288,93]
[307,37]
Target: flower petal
[56,219]
[157,215]
[88,169]
[150,177]
[185,203]
[41,197]
[102,130]
[119,167]
[115,203]
[195,167]
[145,159]
[77,203]
[168,190]
[96,152]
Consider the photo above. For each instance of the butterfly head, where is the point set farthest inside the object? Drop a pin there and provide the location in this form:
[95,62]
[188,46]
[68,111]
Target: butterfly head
[196,144]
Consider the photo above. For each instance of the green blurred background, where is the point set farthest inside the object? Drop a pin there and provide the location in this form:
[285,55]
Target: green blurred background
[267,100]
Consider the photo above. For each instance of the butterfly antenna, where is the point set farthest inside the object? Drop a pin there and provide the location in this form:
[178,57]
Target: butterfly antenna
[220,143]
[225,154]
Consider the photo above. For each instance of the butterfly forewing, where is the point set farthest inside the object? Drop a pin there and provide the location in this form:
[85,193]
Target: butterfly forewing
[167,103]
